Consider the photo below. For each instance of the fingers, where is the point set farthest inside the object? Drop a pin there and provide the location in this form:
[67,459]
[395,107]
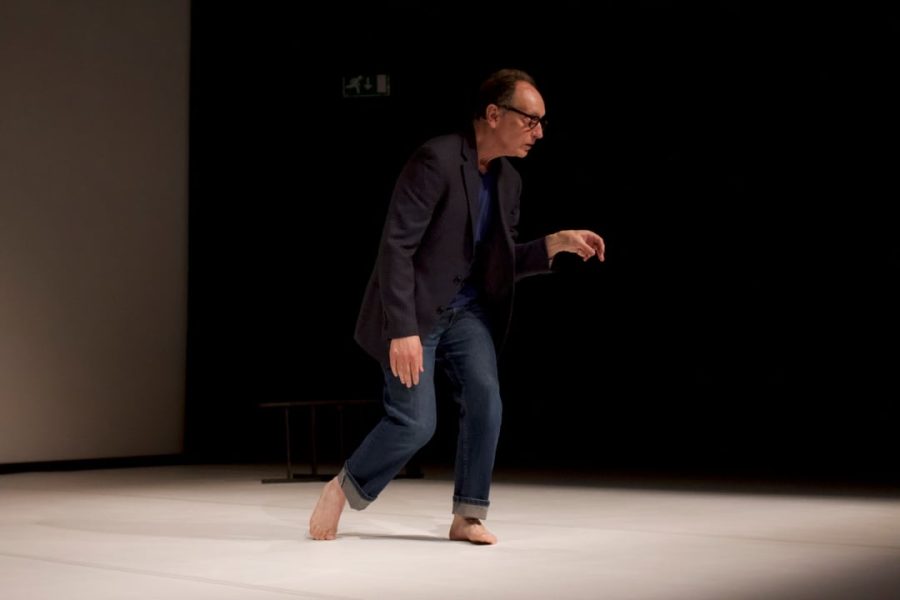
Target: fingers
[406,360]
[599,248]
[585,251]
[595,243]
[405,373]
[410,371]
[582,243]
[394,357]
[419,368]
[408,374]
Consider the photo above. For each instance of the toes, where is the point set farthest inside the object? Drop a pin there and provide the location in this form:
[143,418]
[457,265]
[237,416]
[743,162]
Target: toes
[322,534]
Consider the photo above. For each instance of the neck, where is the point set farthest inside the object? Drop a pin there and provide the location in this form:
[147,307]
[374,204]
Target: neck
[485,146]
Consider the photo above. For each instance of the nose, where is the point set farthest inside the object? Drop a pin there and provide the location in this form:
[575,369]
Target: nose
[538,132]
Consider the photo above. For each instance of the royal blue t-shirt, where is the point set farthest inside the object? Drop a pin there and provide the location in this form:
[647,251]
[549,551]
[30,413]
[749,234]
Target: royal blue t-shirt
[471,290]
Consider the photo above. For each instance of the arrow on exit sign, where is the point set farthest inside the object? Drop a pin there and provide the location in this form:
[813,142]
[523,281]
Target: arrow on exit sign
[366,85]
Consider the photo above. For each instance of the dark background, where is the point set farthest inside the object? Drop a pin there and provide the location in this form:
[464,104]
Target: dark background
[739,161]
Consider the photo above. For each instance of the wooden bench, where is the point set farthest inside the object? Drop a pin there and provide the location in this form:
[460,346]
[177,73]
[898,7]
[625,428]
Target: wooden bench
[314,474]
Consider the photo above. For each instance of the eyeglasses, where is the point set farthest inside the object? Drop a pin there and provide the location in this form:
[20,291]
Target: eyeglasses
[533,120]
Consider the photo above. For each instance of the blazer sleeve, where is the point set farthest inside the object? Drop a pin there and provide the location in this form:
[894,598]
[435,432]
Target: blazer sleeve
[416,193]
[531,257]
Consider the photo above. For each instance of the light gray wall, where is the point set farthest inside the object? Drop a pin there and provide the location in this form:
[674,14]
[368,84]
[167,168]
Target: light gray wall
[93,227]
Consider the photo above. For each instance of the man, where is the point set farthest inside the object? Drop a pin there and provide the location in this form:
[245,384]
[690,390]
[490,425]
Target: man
[441,294]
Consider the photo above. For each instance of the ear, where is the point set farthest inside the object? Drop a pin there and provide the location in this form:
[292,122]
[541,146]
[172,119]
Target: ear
[492,113]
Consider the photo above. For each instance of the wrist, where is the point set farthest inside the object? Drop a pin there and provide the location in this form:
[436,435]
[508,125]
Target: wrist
[553,244]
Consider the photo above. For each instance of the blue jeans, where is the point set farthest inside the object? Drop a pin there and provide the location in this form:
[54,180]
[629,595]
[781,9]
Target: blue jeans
[461,344]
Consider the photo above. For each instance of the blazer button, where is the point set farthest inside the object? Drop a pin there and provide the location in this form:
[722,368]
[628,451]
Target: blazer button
[457,279]
[440,309]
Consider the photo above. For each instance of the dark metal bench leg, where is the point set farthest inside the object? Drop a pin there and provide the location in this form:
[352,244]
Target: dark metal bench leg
[287,442]
[289,473]
[312,441]
[314,474]
[341,457]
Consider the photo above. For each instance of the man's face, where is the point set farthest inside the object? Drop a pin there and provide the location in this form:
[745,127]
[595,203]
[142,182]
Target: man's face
[521,125]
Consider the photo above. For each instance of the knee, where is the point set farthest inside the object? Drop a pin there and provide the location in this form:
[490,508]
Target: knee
[413,427]
[420,432]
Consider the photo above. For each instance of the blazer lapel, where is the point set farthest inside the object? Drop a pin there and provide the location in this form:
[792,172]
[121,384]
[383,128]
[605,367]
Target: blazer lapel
[504,200]
[472,179]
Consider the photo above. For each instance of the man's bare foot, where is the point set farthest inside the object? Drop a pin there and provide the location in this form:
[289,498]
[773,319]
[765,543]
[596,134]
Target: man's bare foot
[324,520]
[470,530]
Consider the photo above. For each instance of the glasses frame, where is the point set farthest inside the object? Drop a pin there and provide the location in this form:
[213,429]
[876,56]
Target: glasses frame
[533,120]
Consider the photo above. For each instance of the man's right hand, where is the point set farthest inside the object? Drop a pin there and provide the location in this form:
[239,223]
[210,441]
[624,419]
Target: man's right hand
[406,359]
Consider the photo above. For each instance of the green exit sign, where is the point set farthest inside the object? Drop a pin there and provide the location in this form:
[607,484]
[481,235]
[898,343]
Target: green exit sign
[366,85]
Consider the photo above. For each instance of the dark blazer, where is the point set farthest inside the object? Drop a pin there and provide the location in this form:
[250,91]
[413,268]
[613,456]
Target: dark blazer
[427,246]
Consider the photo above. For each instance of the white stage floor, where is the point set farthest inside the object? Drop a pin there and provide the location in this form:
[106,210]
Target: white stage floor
[216,532]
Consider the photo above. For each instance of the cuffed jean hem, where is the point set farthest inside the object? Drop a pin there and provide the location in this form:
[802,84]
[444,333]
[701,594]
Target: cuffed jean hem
[470,508]
[356,498]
